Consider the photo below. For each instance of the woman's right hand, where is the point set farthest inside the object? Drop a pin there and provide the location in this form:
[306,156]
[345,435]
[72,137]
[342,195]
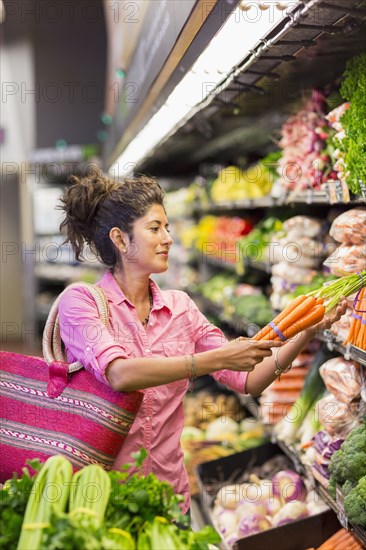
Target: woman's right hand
[243,354]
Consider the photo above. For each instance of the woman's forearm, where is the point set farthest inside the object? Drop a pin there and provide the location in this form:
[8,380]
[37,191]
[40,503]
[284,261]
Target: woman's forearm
[264,373]
[147,372]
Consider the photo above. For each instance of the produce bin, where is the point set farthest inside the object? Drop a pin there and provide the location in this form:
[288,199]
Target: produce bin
[216,473]
[302,534]
[305,533]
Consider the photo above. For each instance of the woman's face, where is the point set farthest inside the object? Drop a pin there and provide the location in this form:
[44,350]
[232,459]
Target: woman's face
[148,251]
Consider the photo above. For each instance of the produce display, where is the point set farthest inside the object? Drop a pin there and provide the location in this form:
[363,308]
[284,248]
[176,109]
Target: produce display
[255,246]
[304,162]
[348,465]
[232,183]
[243,301]
[93,509]
[214,427]
[341,539]
[276,400]
[287,429]
[260,503]
[217,237]
[296,255]
[348,229]
[351,142]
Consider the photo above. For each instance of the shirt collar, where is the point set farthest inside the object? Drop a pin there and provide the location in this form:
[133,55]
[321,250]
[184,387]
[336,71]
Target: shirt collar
[114,294]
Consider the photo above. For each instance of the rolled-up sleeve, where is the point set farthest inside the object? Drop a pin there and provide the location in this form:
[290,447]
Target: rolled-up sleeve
[207,337]
[86,338]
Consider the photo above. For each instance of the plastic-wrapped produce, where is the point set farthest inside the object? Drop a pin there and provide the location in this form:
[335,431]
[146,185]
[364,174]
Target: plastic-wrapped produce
[342,378]
[347,259]
[350,227]
[293,273]
[337,418]
[302,226]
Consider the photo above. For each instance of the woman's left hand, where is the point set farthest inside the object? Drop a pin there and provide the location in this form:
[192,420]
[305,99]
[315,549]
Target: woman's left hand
[332,317]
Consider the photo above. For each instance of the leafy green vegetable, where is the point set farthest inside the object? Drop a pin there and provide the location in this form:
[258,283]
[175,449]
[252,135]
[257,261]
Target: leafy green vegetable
[255,244]
[348,464]
[353,145]
[51,493]
[355,504]
[270,163]
[13,501]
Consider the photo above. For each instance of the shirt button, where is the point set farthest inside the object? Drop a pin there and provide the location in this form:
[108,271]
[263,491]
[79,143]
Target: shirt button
[88,348]
[147,350]
[148,418]
[151,323]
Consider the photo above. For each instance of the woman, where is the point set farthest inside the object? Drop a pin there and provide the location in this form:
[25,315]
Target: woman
[158,340]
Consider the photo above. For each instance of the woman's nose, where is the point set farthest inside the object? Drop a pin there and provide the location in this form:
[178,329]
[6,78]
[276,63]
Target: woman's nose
[167,238]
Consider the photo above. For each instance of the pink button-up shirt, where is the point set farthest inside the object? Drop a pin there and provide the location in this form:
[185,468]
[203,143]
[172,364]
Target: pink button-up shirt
[176,327]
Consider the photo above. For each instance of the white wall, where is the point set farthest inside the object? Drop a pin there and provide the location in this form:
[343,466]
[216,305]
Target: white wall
[18,124]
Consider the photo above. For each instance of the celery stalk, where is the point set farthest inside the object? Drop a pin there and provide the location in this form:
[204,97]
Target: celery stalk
[50,493]
[91,492]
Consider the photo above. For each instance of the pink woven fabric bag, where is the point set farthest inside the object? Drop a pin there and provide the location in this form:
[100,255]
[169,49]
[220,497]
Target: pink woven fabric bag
[49,407]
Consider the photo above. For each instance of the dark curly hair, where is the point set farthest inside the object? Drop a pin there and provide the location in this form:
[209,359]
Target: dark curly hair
[95,203]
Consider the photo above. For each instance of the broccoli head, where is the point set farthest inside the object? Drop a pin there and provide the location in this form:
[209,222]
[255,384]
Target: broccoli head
[355,504]
[348,463]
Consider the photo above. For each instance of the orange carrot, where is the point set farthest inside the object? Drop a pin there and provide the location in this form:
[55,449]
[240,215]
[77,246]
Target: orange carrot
[264,333]
[330,544]
[297,314]
[315,316]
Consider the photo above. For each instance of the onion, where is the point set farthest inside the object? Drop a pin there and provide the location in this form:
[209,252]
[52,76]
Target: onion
[288,486]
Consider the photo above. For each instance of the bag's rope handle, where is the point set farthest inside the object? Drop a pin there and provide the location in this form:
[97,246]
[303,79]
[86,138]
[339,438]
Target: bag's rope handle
[51,342]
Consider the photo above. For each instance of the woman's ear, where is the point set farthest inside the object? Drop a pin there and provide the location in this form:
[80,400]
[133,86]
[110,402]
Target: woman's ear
[119,239]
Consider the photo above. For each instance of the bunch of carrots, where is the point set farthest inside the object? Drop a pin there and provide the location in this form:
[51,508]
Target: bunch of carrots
[308,310]
[300,314]
[341,540]
[357,331]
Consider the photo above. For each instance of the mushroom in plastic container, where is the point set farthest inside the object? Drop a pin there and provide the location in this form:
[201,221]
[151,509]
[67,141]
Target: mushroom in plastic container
[252,524]
[291,511]
[288,486]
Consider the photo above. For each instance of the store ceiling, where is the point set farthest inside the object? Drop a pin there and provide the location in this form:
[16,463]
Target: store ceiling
[240,124]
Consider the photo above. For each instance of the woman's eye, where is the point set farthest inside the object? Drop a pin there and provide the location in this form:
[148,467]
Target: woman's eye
[154,229]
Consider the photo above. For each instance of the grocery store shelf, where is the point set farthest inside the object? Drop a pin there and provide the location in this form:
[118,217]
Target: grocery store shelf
[57,273]
[315,483]
[349,351]
[224,206]
[237,267]
[261,266]
[238,324]
[358,532]
[290,451]
[320,197]
[300,197]
[211,260]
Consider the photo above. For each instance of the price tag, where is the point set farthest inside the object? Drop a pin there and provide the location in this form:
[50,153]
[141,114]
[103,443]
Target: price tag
[347,353]
[341,513]
[309,197]
[346,197]
[363,189]
[326,190]
[339,191]
[332,192]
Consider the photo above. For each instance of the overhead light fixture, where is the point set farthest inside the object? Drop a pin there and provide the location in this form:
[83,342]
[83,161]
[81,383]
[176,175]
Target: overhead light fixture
[240,33]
